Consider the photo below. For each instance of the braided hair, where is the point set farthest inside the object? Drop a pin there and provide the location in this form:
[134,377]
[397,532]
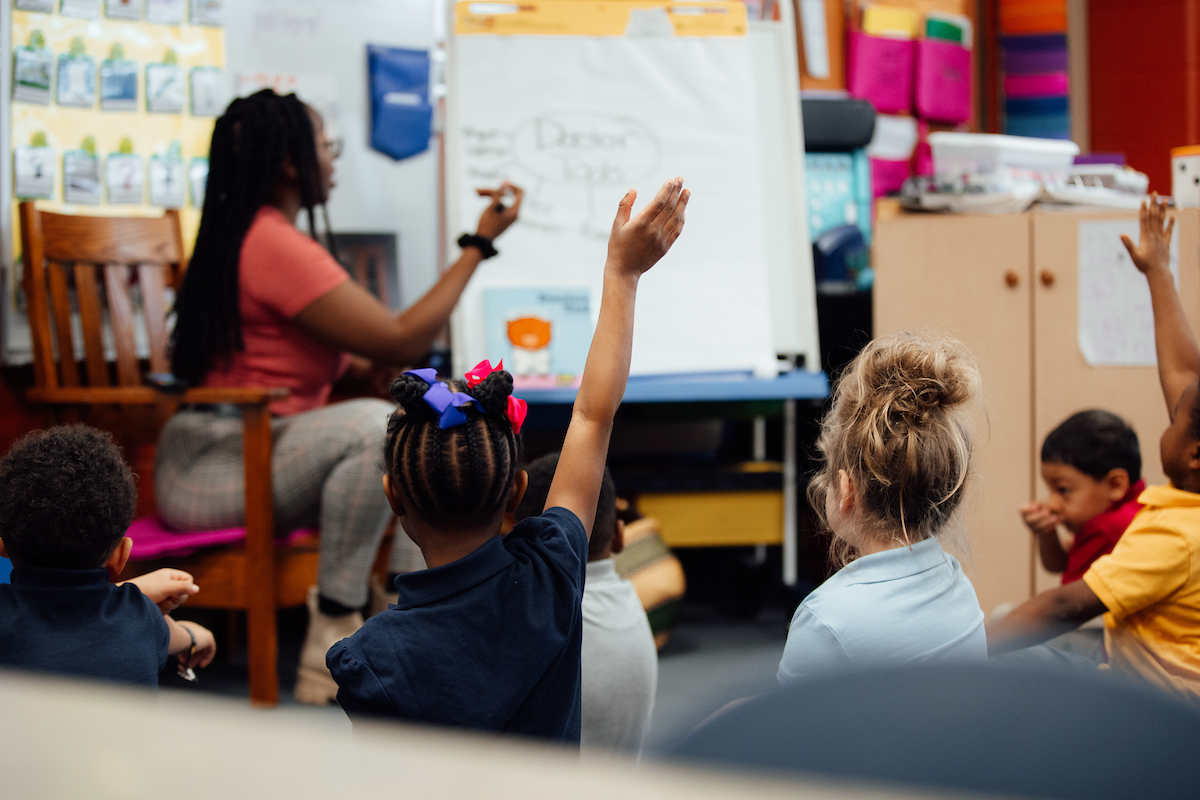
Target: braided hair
[251,142]
[458,476]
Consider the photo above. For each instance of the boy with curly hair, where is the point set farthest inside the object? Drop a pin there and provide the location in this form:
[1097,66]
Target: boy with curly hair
[66,500]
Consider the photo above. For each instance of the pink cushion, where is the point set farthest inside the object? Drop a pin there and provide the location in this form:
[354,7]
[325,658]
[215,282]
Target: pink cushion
[151,539]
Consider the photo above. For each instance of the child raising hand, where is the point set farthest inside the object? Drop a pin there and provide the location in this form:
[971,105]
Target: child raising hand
[489,636]
[1148,587]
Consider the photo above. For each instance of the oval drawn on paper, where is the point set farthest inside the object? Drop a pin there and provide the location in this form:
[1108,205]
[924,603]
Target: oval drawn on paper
[582,148]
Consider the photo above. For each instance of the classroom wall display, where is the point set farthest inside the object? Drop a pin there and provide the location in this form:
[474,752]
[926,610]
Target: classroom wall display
[118,81]
[168,179]
[123,9]
[76,77]
[166,86]
[208,12]
[33,168]
[165,12]
[676,87]
[33,65]
[80,9]
[124,178]
[113,154]
[41,6]
[197,181]
[81,175]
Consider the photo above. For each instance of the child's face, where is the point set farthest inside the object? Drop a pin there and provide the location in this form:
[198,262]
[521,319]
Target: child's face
[1075,498]
[1177,448]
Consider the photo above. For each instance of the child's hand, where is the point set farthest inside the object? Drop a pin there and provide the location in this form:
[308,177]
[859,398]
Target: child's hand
[636,245]
[1153,251]
[496,218]
[166,588]
[1040,520]
[206,645]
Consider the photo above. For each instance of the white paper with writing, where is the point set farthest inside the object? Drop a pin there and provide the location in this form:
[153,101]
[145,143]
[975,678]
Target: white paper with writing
[1116,323]
[614,113]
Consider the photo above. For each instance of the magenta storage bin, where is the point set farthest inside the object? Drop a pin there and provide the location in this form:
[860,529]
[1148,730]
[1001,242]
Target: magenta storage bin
[888,176]
[943,83]
[1051,84]
[880,69]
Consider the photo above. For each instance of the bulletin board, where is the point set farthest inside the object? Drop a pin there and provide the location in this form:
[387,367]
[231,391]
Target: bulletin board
[125,126]
[579,102]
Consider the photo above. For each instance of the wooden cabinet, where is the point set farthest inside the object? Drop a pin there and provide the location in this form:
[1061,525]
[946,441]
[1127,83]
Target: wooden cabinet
[1007,287]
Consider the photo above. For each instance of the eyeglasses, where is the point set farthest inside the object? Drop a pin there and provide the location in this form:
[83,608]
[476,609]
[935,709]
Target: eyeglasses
[334,146]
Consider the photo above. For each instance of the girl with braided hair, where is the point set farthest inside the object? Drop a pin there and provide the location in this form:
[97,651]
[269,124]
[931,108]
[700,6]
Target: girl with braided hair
[489,636]
[897,451]
[263,304]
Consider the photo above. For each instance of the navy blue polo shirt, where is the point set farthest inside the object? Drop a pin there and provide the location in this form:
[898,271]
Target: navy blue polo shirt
[74,622]
[489,642]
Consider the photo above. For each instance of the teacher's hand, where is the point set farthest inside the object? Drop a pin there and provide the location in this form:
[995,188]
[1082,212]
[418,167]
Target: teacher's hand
[497,216]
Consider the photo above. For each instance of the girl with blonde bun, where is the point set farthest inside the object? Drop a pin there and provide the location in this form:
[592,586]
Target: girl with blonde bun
[897,451]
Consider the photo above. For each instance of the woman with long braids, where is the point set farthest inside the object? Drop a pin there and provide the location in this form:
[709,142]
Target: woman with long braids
[263,304]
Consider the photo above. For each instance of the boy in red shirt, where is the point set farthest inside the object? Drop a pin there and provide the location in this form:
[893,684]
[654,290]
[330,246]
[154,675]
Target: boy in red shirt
[1092,465]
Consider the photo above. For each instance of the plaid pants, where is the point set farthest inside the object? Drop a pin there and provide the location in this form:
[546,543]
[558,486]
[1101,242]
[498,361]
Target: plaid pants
[326,469]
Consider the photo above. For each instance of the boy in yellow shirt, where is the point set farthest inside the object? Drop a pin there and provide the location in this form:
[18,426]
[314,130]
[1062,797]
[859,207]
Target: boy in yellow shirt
[1148,587]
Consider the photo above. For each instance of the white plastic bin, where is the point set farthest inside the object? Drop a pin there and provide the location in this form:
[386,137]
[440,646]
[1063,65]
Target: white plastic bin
[958,154]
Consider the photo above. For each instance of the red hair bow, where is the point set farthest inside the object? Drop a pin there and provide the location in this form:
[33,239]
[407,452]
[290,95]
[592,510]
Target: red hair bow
[517,409]
[481,371]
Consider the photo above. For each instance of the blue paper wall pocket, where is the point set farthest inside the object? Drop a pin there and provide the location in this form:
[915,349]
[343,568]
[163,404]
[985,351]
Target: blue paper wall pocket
[401,116]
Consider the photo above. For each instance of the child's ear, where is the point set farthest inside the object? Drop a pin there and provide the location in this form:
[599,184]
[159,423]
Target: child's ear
[393,498]
[618,540]
[119,558]
[1117,484]
[1193,457]
[846,489]
[520,484]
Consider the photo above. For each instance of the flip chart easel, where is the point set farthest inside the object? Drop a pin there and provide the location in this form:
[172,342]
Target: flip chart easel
[577,102]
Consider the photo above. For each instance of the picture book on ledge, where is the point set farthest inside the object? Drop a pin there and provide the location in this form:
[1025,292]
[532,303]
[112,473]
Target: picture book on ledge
[542,333]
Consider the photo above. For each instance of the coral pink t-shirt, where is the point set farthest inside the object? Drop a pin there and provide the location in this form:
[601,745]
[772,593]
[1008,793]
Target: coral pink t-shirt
[281,272]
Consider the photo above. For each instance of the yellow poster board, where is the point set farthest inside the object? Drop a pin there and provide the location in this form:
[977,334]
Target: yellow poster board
[66,127]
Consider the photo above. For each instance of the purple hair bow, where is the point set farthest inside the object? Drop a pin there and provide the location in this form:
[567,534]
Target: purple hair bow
[448,405]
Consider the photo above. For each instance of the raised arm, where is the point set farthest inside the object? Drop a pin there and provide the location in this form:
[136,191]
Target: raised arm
[634,246]
[349,318]
[1178,356]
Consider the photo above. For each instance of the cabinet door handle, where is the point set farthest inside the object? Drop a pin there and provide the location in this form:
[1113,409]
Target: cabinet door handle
[1048,278]
[1011,279]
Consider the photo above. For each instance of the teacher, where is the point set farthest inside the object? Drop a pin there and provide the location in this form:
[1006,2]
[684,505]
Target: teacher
[263,304]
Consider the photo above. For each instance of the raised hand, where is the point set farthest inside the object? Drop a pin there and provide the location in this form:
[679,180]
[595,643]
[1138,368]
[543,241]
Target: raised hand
[1153,250]
[497,216]
[636,244]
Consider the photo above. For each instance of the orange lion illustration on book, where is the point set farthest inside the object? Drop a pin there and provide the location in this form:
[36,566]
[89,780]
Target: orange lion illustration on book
[530,338]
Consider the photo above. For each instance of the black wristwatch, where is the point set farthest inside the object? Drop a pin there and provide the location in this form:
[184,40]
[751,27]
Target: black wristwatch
[481,243]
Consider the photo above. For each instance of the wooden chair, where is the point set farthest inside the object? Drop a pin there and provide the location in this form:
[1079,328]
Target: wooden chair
[69,258]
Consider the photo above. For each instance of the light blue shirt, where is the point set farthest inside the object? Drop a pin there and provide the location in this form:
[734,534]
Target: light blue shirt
[903,606]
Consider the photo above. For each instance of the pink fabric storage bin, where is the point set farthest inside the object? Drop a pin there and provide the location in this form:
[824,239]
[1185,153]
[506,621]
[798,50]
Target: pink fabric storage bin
[887,176]
[1052,84]
[880,69]
[943,82]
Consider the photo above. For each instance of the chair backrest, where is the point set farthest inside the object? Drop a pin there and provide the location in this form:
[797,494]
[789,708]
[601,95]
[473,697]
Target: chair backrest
[86,267]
